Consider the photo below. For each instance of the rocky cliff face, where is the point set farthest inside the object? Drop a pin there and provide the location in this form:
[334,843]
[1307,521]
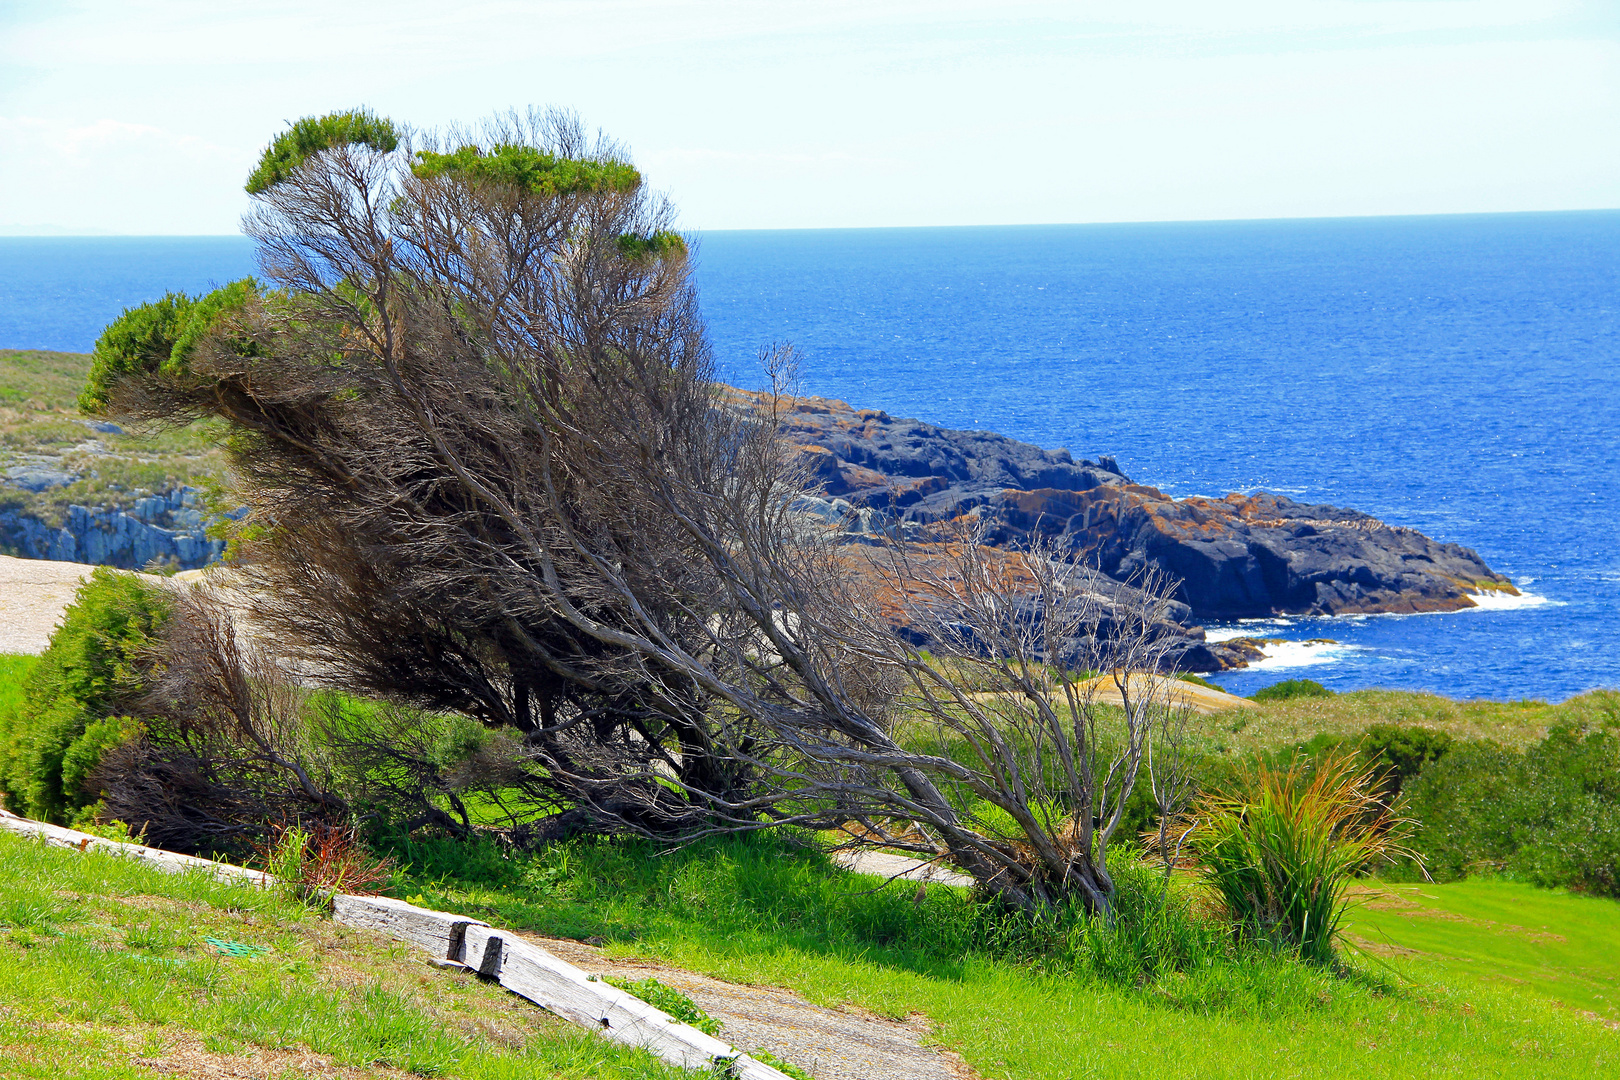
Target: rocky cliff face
[168,527]
[1240,556]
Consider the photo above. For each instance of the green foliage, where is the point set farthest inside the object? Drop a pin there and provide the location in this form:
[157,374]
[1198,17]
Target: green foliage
[313,134]
[86,751]
[91,671]
[138,342]
[1280,849]
[670,1000]
[662,244]
[533,171]
[780,1066]
[1549,815]
[1289,689]
[1403,752]
[205,313]
[1189,677]
[160,337]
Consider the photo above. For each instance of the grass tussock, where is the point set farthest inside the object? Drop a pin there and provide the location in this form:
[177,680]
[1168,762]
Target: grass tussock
[1281,849]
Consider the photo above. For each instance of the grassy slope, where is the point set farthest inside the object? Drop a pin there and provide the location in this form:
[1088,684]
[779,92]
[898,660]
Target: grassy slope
[758,915]
[38,419]
[1512,723]
[1501,933]
[105,972]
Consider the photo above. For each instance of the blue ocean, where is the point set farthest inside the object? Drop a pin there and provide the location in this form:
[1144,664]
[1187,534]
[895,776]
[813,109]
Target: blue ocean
[1458,374]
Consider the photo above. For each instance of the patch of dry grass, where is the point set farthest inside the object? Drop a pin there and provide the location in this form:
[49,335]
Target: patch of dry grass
[1516,724]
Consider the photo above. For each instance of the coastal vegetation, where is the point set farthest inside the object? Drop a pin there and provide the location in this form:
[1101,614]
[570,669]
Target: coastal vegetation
[58,459]
[527,622]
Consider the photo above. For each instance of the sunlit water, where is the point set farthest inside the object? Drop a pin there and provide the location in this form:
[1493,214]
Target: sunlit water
[1459,375]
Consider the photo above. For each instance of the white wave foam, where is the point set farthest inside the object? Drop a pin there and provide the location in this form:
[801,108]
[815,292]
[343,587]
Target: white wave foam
[1249,628]
[1493,600]
[1299,654]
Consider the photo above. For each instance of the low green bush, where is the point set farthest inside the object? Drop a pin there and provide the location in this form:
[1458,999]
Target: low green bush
[1289,689]
[74,705]
[1549,815]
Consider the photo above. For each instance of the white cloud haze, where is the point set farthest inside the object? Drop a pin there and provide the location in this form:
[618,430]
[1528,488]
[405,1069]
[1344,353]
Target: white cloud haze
[144,117]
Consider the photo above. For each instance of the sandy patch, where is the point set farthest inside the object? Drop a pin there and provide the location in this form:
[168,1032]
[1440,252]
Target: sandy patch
[33,595]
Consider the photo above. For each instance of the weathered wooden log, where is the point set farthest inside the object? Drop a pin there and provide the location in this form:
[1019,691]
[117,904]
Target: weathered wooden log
[439,932]
[547,980]
[164,860]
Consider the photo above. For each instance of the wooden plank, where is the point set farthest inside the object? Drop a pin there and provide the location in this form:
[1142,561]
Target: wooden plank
[547,980]
[170,861]
[439,932]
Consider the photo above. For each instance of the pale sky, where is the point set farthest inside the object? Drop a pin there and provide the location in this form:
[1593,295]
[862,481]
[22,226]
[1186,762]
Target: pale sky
[145,117]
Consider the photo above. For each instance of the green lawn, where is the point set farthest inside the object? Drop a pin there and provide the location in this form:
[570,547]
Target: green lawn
[106,970]
[1502,934]
[757,913]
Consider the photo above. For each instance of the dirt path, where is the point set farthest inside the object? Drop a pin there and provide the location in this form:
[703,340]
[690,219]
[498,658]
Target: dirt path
[33,594]
[830,1044]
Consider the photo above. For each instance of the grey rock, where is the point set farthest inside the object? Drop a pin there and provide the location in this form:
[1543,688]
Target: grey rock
[163,528]
[1237,557]
[103,427]
[37,478]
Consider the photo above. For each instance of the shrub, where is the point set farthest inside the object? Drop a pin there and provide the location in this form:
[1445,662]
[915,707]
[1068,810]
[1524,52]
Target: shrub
[1550,815]
[1402,752]
[1281,849]
[93,671]
[313,134]
[1289,689]
[317,860]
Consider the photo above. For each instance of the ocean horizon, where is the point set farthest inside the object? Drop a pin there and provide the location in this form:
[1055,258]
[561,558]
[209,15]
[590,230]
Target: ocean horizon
[1456,374]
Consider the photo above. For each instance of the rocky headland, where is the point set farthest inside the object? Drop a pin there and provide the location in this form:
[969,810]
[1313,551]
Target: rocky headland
[115,500]
[1241,556]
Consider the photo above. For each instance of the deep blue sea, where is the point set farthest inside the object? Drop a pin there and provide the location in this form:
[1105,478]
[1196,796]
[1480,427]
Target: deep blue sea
[1460,375]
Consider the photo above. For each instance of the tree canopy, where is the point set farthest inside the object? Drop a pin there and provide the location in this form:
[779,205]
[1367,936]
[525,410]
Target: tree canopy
[472,407]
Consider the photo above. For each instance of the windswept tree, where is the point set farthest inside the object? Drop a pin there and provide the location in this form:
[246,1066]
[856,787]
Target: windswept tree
[473,410]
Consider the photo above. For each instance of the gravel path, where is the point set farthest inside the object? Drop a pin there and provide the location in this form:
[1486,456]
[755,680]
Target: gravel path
[830,1044]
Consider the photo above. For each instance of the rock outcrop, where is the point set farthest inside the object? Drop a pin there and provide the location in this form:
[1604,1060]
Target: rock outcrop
[166,528]
[1237,557]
